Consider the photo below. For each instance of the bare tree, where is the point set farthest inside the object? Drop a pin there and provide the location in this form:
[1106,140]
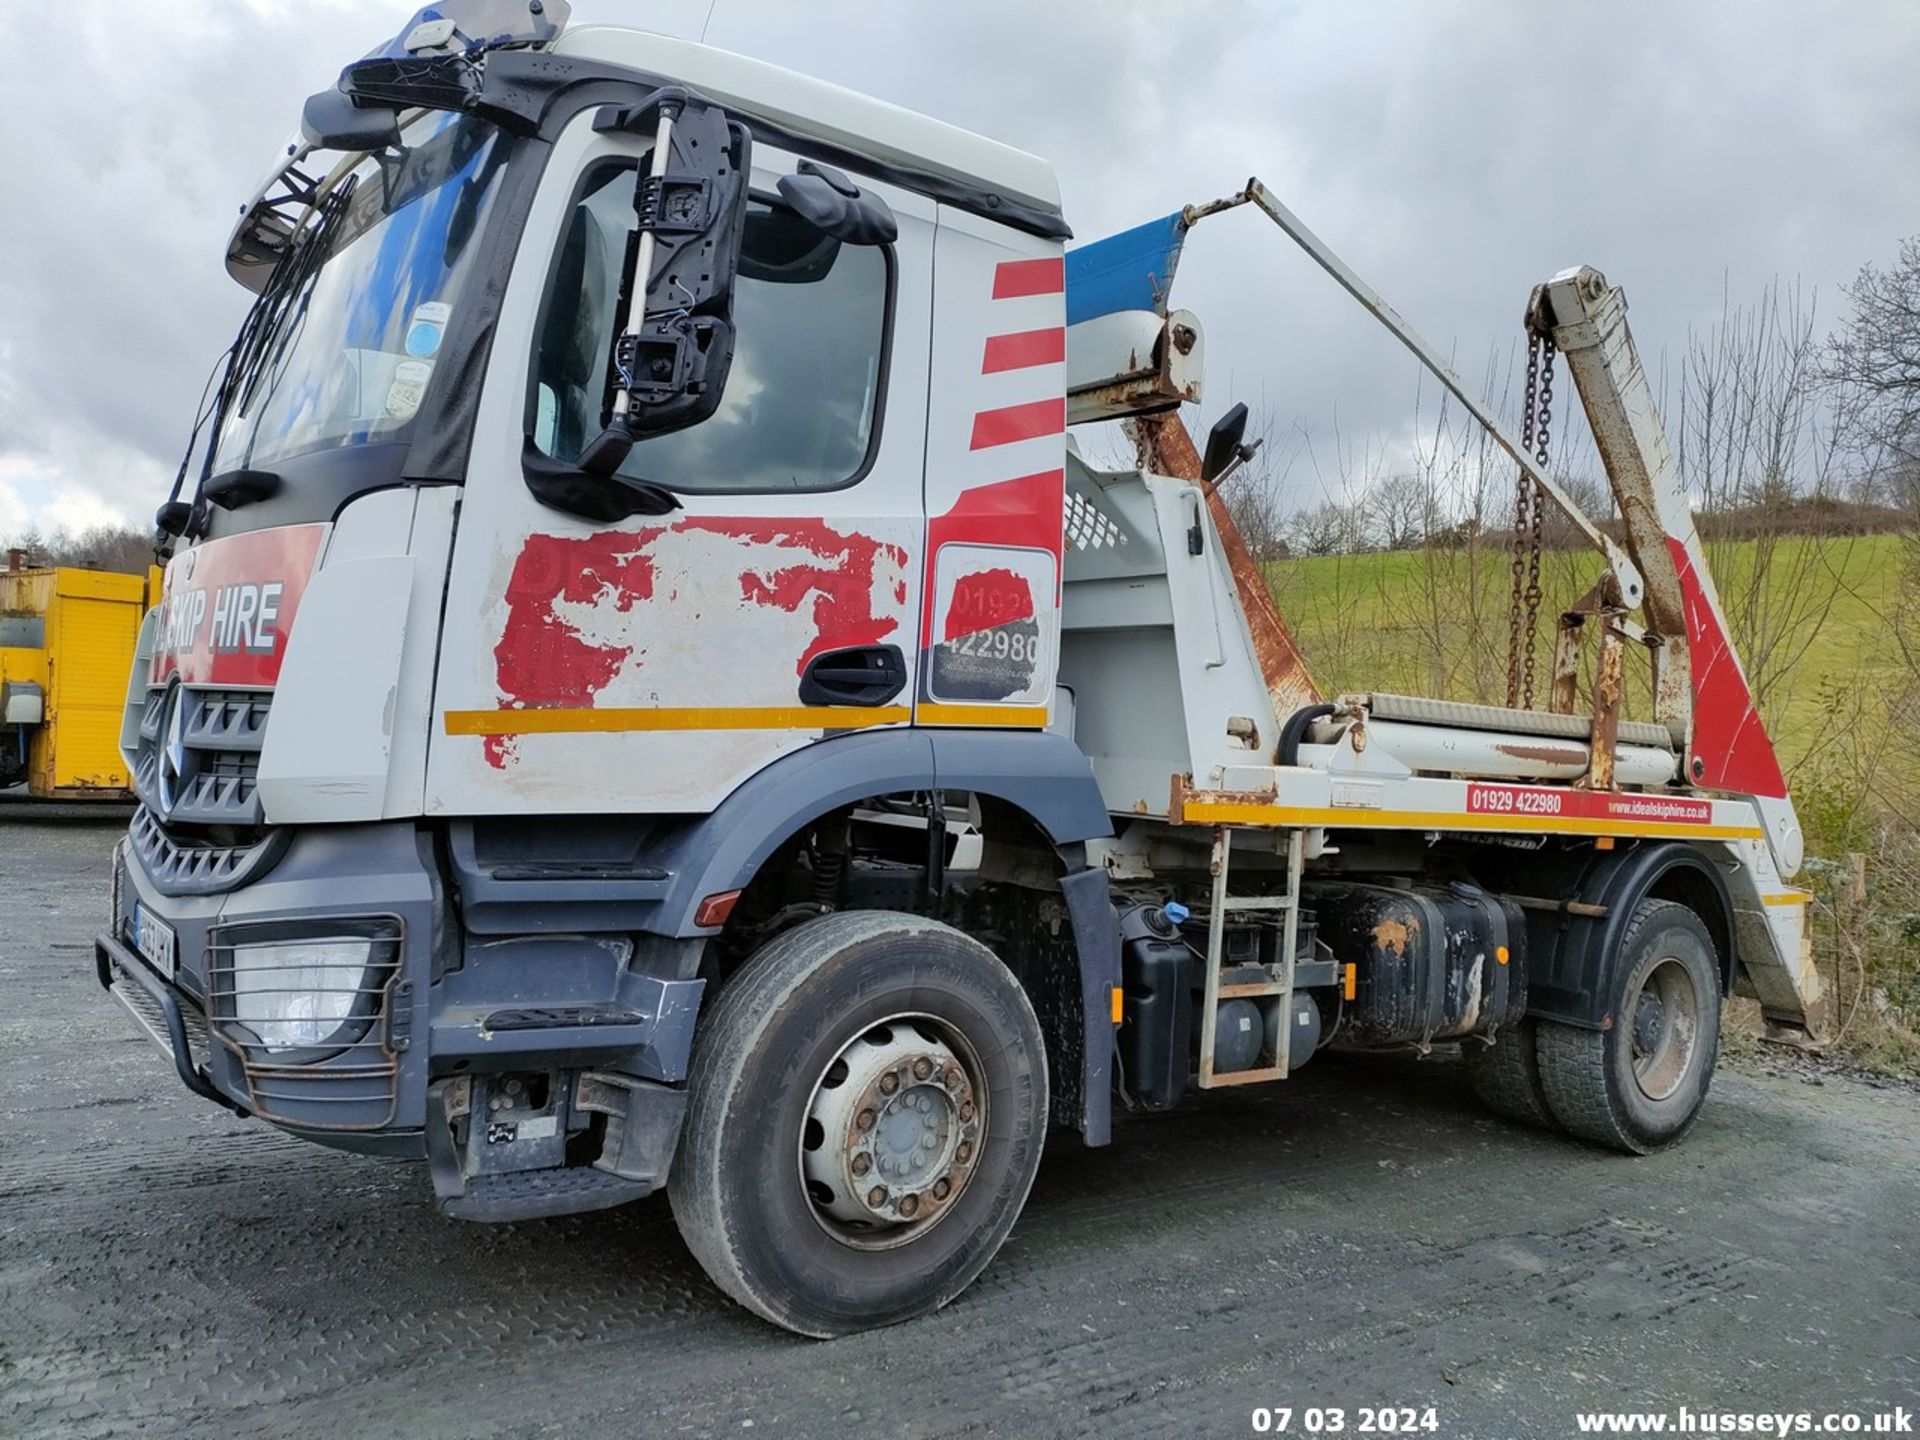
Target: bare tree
[99,547]
[1252,494]
[1755,438]
[1329,528]
[1874,362]
[1402,511]
[1255,509]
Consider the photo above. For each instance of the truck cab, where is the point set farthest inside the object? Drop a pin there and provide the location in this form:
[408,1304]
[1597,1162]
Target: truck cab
[647,694]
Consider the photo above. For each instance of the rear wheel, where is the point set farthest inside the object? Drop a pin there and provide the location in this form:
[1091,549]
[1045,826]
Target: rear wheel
[1639,1084]
[868,1105]
[1506,1075]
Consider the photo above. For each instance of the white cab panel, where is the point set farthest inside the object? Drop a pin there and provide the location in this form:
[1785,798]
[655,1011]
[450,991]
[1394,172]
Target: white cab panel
[653,664]
[339,703]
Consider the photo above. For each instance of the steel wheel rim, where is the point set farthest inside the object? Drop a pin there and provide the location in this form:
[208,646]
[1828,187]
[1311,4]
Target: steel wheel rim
[1663,1029]
[892,1132]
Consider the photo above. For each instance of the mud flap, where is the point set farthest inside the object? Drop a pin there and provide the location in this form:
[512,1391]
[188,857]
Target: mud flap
[1096,940]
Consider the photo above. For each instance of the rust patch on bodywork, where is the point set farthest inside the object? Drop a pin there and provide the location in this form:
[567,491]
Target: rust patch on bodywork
[1394,935]
[1167,449]
[1184,794]
[1545,754]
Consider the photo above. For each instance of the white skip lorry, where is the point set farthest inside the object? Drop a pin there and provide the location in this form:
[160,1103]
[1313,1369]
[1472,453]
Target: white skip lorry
[649,694]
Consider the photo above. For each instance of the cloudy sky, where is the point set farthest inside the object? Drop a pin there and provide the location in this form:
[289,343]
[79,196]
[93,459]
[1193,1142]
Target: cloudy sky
[1455,151]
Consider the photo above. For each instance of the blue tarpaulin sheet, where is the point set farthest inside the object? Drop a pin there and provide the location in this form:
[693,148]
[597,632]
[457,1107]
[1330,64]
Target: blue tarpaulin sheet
[1129,271]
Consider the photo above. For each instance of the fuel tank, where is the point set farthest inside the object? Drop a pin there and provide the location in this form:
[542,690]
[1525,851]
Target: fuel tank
[1433,963]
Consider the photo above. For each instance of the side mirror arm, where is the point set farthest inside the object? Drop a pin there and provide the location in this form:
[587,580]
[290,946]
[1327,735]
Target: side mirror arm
[675,346]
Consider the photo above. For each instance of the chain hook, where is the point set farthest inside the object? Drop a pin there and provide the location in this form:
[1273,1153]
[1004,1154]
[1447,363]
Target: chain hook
[1529,522]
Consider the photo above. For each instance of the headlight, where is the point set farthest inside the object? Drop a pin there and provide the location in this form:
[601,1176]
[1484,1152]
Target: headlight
[300,994]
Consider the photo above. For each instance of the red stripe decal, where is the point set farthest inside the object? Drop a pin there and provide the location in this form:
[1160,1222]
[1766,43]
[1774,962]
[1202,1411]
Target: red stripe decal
[1018,422]
[1024,512]
[1014,278]
[1730,742]
[1029,347]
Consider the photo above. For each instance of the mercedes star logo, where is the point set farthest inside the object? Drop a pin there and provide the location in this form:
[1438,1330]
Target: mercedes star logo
[173,752]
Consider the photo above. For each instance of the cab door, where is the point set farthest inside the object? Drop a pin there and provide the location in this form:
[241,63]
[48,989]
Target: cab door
[655,664]
[996,477]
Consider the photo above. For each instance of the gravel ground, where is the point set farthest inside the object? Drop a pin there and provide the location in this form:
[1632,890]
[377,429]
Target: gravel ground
[1358,1236]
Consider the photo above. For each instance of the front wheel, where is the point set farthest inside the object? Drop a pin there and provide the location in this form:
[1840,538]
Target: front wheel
[867,1107]
[1639,1084]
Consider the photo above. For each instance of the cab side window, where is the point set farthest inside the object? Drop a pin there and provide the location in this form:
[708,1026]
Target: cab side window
[802,405]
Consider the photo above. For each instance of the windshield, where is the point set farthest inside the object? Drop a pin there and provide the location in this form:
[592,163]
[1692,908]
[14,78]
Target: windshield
[340,347]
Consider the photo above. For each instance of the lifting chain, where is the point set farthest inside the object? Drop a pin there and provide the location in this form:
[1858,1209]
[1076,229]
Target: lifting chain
[1529,521]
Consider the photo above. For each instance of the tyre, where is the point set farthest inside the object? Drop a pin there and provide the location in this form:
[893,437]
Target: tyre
[1639,1084]
[867,1108]
[1506,1076]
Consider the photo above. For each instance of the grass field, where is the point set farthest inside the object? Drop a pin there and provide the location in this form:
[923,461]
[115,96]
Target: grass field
[1814,620]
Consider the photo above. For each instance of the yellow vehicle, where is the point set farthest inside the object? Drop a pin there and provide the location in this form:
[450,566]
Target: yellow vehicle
[66,646]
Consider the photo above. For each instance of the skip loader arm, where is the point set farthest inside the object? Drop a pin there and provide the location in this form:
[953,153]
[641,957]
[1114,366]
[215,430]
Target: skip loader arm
[1659,568]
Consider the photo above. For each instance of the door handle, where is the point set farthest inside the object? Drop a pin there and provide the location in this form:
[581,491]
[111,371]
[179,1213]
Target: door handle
[860,675]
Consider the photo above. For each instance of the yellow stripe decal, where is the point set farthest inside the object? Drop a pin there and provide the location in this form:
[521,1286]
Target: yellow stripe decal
[614,720]
[1025,717]
[1221,812]
[1790,897]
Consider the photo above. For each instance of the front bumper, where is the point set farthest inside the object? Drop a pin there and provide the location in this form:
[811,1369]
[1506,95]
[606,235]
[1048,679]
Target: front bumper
[452,1015]
[156,1009]
[369,1096]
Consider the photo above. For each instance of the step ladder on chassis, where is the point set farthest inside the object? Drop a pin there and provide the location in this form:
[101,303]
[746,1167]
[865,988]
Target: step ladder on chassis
[1274,991]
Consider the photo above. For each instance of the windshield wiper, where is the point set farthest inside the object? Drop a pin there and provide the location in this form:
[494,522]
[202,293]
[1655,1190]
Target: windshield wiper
[240,376]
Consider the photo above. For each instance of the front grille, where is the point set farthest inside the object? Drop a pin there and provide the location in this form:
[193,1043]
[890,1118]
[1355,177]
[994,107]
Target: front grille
[180,864]
[200,829]
[348,1083]
[215,780]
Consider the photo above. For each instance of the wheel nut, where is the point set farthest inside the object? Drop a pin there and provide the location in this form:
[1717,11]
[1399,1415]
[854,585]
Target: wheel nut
[942,1188]
[922,1068]
[889,1083]
[909,1204]
[966,1109]
[860,1164]
[877,1196]
[964,1153]
[864,1120]
[951,1079]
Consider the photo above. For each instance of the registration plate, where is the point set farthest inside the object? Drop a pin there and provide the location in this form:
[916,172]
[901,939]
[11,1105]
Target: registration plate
[153,938]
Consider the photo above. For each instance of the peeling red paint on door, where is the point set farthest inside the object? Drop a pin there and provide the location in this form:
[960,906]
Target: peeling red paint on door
[541,660]
[544,661]
[838,579]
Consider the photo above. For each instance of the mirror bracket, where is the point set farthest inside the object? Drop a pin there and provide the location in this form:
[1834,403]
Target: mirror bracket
[675,346]
[1227,447]
[604,498]
[832,203]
